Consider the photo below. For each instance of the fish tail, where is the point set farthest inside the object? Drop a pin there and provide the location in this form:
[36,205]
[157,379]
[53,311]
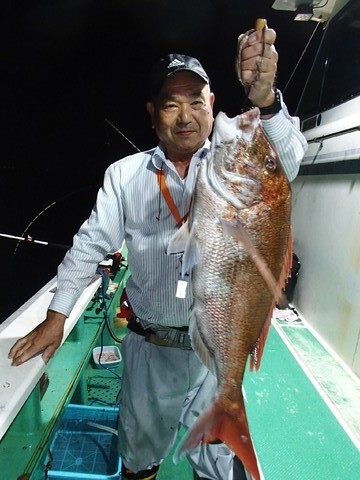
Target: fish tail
[231,428]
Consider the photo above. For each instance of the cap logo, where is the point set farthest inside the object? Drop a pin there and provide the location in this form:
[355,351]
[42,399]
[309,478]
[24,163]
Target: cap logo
[175,63]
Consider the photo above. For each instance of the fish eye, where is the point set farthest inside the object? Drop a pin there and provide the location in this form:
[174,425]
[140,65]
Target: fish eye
[270,164]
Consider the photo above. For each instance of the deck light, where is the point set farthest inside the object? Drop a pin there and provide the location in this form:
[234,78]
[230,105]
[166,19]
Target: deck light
[304,13]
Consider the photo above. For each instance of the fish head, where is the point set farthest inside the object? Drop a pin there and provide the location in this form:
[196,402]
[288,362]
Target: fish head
[244,166]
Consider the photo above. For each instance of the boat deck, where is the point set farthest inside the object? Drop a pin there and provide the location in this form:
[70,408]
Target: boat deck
[303,408]
[303,404]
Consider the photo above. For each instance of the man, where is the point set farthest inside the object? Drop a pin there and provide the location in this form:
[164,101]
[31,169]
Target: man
[143,200]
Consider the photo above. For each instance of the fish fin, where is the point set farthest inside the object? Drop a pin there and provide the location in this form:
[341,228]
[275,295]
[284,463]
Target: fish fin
[191,255]
[258,350]
[216,423]
[179,241]
[287,264]
[200,348]
[235,229]
[184,242]
[256,354]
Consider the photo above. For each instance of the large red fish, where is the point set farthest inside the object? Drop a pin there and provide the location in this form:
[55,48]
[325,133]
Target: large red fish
[239,246]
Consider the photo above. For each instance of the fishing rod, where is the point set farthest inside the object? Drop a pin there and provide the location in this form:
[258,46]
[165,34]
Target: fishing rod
[57,245]
[31,222]
[122,134]
[29,239]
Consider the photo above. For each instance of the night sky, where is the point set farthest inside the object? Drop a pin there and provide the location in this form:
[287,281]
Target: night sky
[67,66]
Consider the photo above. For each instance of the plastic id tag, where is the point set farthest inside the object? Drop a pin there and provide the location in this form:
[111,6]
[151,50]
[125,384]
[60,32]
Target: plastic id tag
[181,289]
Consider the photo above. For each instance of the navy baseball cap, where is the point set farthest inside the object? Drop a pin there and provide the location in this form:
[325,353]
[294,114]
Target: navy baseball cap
[172,63]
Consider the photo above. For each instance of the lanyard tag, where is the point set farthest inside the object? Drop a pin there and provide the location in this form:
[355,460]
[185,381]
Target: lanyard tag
[181,289]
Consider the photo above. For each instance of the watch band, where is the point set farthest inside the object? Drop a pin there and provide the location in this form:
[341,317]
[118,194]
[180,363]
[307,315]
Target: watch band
[275,107]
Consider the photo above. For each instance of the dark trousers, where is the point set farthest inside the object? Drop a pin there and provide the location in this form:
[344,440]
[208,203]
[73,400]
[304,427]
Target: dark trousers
[238,471]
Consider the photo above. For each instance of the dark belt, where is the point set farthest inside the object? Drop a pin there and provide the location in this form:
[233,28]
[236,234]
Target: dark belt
[179,337]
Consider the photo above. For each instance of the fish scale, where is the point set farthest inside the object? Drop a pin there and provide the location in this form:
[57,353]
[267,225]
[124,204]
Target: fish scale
[239,232]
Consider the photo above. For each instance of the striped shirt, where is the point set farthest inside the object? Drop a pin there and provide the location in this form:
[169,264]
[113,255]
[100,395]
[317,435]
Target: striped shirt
[130,206]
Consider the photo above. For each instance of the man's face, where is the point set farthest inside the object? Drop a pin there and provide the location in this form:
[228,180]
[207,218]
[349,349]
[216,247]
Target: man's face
[182,114]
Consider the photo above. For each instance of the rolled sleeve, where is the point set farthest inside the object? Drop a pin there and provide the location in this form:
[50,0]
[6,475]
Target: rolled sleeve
[101,234]
[285,135]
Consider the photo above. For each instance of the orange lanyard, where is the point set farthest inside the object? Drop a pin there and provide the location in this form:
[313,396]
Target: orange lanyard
[168,198]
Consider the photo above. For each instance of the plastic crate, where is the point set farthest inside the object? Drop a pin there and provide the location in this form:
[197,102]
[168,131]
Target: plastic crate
[83,451]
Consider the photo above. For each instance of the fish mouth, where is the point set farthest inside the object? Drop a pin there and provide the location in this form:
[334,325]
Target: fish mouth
[237,183]
[241,126]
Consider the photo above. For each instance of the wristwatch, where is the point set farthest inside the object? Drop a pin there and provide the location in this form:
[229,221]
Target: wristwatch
[275,107]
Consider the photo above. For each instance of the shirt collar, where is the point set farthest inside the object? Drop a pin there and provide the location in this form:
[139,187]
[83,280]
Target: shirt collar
[159,158]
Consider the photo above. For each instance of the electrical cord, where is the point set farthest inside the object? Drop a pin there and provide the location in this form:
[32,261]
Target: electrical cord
[107,324]
[104,304]
[101,351]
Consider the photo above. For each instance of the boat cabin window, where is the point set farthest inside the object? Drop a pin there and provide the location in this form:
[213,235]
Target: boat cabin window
[335,75]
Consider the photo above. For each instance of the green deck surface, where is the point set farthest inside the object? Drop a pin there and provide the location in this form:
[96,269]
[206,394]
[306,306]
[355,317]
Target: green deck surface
[303,406]
[295,433]
[24,447]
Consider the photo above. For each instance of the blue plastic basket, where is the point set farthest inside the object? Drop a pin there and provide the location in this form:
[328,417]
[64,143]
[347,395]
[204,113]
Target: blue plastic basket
[82,451]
